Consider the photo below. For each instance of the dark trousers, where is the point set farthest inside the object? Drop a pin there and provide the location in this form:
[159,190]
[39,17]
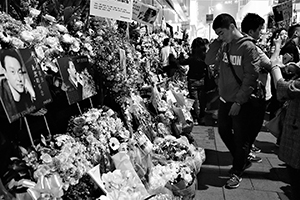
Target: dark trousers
[294,175]
[235,133]
[257,118]
[197,92]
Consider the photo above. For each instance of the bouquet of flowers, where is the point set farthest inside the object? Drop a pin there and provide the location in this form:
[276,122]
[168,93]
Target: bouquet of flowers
[102,132]
[65,156]
[121,184]
[171,148]
[174,175]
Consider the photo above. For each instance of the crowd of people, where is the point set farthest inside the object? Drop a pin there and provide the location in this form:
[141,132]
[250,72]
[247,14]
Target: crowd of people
[251,82]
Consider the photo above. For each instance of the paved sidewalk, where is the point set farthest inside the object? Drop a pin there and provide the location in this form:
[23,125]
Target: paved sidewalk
[263,181]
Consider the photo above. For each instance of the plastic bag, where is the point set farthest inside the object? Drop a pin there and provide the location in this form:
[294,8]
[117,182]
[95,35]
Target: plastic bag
[180,189]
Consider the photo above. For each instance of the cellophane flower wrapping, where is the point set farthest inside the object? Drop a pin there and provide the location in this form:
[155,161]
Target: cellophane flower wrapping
[64,156]
[123,163]
[177,149]
[175,176]
[102,132]
[121,185]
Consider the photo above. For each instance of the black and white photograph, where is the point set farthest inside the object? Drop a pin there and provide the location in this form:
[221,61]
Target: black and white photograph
[75,72]
[22,85]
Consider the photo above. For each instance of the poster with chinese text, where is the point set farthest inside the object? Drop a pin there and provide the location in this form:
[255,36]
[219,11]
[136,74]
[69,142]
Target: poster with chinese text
[114,9]
[77,76]
[23,88]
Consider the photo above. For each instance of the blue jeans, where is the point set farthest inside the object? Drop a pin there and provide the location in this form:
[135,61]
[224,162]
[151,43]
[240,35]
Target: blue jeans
[236,133]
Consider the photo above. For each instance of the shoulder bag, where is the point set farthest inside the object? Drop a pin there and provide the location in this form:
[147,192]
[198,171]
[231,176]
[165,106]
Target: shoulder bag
[259,93]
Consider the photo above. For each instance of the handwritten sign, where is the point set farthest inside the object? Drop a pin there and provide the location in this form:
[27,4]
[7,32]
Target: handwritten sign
[144,13]
[114,9]
[283,11]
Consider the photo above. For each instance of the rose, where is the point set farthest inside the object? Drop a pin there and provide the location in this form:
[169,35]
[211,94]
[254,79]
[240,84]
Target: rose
[61,28]
[75,46]
[27,36]
[17,43]
[68,39]
[34,12]
[52,41]
[46,158]
[49,18]
[80,121]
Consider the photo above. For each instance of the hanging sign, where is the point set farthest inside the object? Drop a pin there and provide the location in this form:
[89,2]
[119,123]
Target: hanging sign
[114,9]
[144,13]
[23,88]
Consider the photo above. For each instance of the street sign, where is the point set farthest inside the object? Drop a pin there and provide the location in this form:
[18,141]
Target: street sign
[209,18]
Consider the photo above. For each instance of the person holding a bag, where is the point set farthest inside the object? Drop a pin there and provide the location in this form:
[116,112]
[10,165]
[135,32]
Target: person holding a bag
[289,147]
[237,58]
[195,76]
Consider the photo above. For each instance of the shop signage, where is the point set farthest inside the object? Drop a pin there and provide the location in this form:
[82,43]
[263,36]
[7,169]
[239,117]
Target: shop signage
[209,18]
[116,9]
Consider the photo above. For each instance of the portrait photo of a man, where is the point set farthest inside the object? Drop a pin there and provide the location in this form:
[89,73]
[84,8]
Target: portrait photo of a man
[75,74]
[16,92]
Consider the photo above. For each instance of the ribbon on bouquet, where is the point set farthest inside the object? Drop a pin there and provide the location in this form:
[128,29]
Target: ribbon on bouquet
[46,185]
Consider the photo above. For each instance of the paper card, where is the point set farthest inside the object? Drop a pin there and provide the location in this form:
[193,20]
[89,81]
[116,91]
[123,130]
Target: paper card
[114,9]
[170,97]
[96,175]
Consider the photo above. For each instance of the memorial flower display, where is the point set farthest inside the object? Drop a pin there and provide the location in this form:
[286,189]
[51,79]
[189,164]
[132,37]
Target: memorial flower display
[133,150]
[64,156]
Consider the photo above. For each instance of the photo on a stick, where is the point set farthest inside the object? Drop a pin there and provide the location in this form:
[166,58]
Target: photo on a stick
[23,88]
[77,76]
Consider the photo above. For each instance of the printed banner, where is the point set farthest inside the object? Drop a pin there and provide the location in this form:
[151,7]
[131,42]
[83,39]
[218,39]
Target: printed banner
[283,11]
[114,9]
[23,88]
[77,76]
[144,13]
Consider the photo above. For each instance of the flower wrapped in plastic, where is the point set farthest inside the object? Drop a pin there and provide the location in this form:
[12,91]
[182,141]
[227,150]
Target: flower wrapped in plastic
[178,149]
[176,176]
[65,156]
[122,185]
[171,148]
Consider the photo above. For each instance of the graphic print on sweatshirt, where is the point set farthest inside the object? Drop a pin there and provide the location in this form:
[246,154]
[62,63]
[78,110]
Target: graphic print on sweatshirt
[234,59]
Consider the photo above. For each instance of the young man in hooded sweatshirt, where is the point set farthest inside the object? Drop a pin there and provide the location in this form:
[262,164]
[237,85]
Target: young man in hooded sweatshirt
[252,24]
[234,116]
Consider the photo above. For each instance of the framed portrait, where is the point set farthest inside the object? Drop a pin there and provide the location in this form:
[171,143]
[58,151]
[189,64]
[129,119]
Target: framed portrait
[23,88]
[76,75]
